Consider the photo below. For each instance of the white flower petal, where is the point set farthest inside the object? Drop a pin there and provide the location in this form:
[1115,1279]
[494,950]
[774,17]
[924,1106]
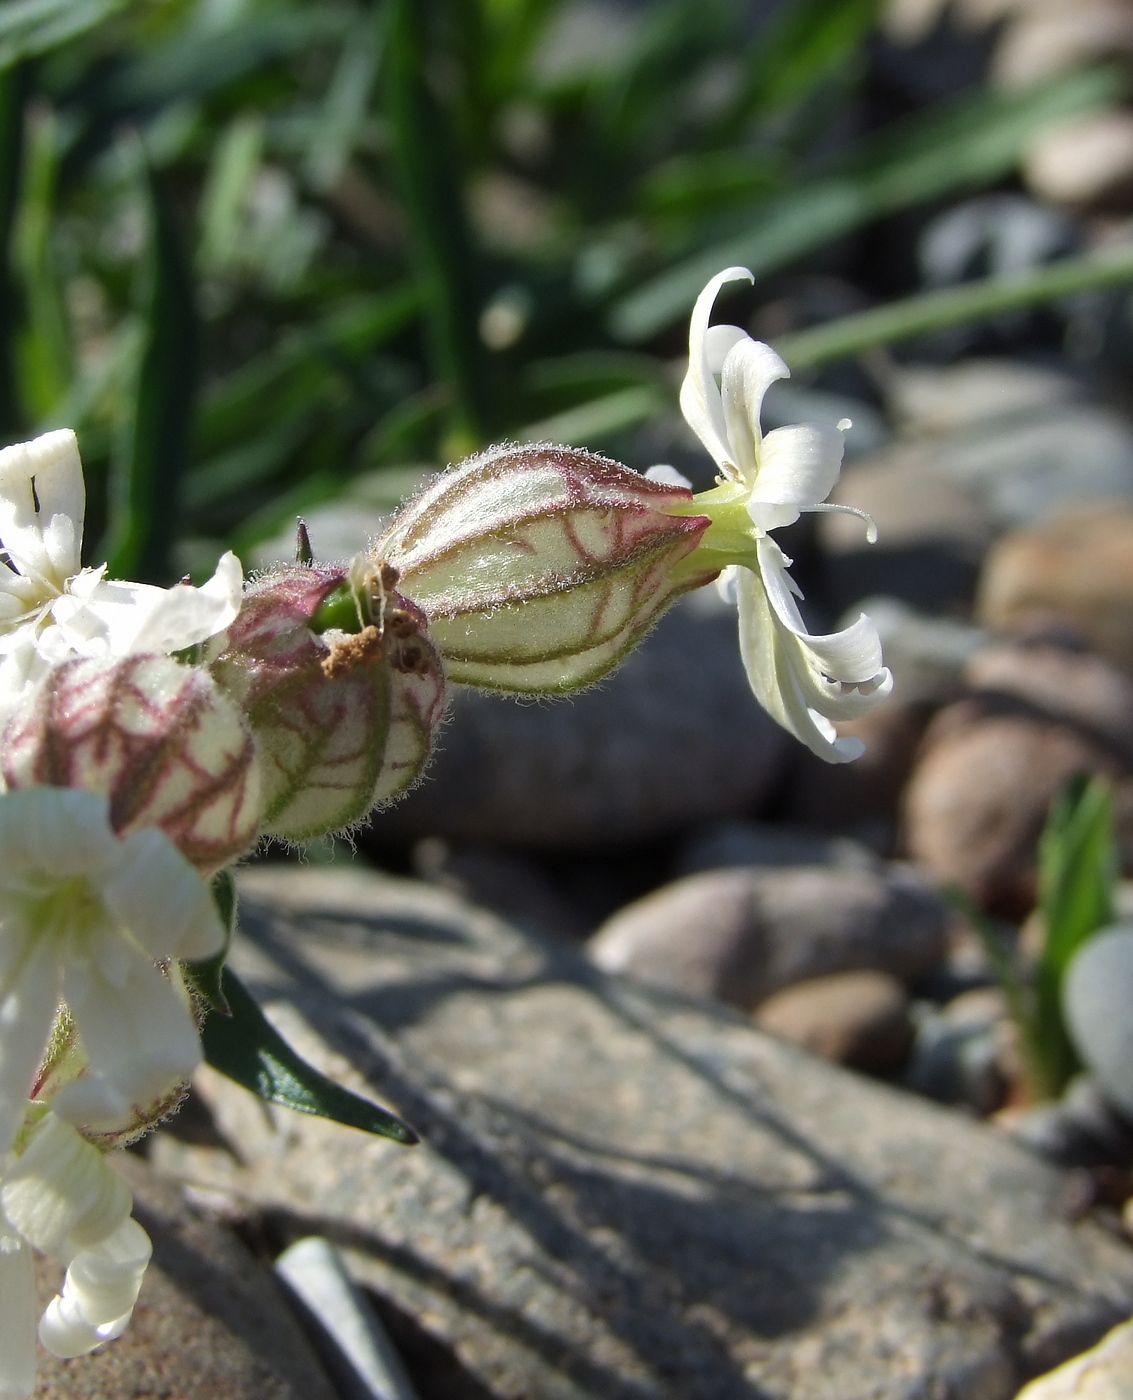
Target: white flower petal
[795,676]
[61,831]
[60,1194]
[701,403]
[750,368]
[36,547]
[184,616]
[17,1320]
[104,1280]
[66,1333]
[26,1013]
[668,476]
[798,468]
[138,1033]
[161,899]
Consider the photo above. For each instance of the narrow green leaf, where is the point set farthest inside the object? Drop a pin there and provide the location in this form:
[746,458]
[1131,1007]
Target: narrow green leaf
[206,976]
[147,488]
[344,109]
[1078,869]
[43,346]
[591,421]
[970,302]
[429,173]
[248,1049]
[12,85]
[30,27]
[962,144]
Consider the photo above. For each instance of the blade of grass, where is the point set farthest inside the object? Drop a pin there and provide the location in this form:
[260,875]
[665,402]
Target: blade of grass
[964,144]
[43,352]
[31,27]
[146,490]
[1077,877]
[12,85]
[970,302]
[428,170]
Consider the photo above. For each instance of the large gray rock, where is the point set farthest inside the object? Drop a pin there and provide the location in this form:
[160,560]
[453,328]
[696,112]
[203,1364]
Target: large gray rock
[671,738]
[624,1195]
[742,934]
[1096,997]
[211,1322]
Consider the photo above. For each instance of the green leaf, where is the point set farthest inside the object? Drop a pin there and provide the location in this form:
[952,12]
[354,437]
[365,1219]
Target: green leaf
[147,488]
[973,301]
[30,27]
[958,145]
[1078,868]
[589,422]
[807,41]
[12,85]
[43,345]
[248,1049]
[206,976]
[430,175]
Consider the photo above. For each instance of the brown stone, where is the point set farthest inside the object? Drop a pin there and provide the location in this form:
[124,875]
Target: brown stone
[1078,688]
[1074,568]
[1105,1372]
[860,1019]
[979,797]
[742,934]
[210,1323]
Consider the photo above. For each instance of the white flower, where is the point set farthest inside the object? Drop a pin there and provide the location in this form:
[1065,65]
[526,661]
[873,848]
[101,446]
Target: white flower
[803,681]
[51,607]
[84,914]
[58,1195]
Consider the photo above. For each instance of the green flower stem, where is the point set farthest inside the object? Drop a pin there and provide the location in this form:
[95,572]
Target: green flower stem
[973,301]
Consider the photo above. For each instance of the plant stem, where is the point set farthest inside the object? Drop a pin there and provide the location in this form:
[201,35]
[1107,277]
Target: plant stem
[973,301]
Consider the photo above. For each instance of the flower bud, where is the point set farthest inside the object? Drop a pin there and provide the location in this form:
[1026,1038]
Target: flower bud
[540,567]
[342,689]
[157,737]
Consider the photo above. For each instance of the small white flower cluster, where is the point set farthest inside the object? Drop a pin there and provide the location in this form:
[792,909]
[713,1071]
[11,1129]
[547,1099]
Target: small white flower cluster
[90,918]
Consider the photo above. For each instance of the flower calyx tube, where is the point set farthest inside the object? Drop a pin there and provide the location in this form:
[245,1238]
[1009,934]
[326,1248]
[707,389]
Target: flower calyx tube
[158,738]
[342,688]
[539,567]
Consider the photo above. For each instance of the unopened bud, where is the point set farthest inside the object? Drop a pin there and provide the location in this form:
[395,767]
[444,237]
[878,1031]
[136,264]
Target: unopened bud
[157,737]
[342,689]
[540,567]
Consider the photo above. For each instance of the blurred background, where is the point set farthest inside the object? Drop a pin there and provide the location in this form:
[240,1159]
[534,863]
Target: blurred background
[280,257]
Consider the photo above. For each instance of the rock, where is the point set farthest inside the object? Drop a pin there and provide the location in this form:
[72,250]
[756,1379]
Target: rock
[508,883]
[979,797]
[724,845]
[934,401]
[1096,996]
[939,499]
[1086,163]
[353,1342]
[861,798]
[1076,568]
[860,1019]
[956,1051]
[210,1323]
[740,935]
[623,1195]
[673,737]
[1075,687]
[1105,1372]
